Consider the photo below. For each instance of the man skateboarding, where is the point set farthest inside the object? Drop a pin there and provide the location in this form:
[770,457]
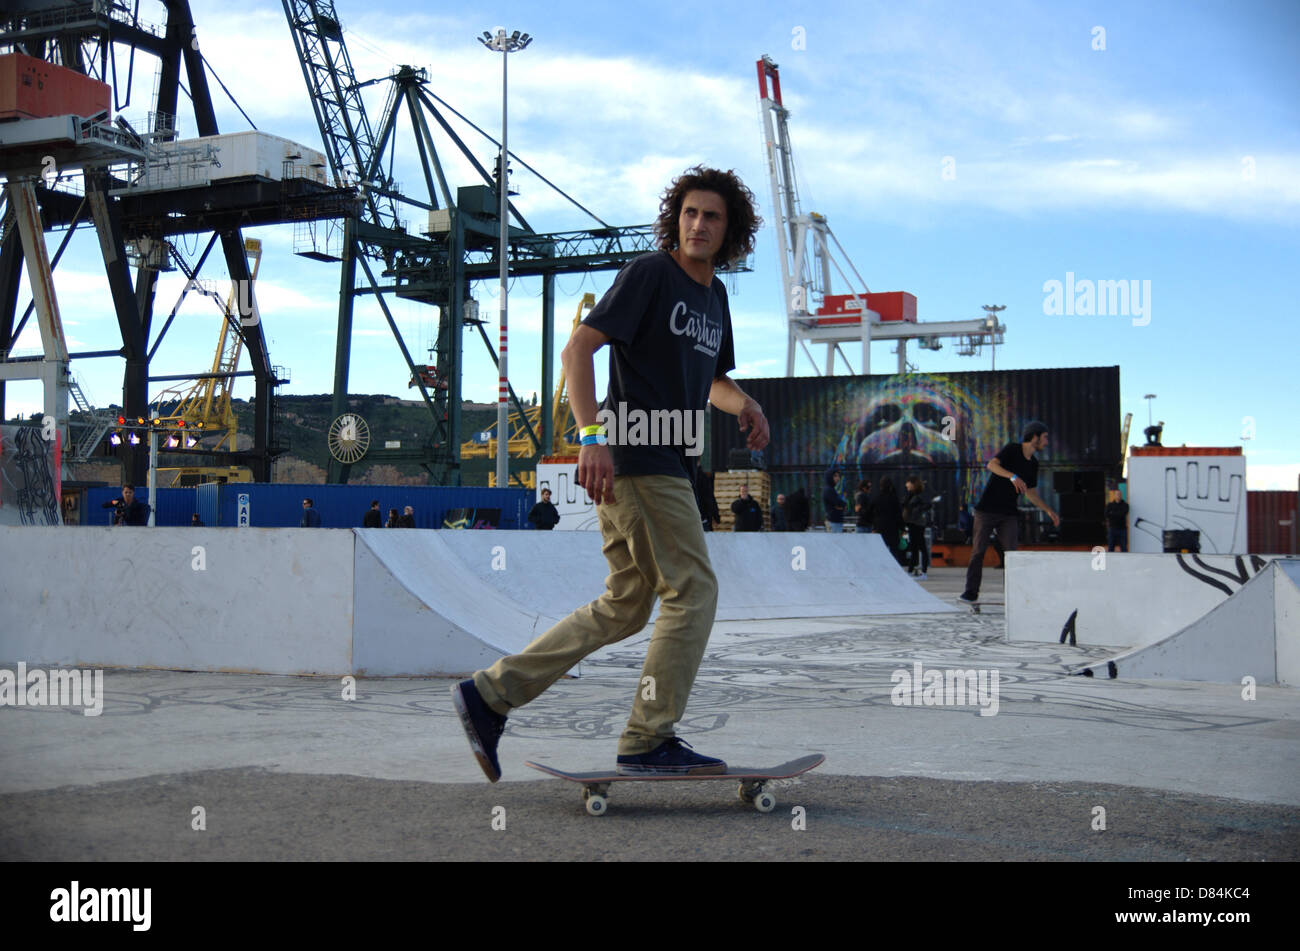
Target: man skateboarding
[667,322]
[1015,473]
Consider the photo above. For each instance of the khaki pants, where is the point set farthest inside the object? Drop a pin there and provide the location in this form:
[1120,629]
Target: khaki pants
[654,542]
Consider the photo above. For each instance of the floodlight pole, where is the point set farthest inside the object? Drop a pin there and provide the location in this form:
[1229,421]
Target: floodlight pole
[505,45]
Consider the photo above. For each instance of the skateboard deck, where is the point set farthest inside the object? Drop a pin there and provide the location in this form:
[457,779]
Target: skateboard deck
[975,605]
[751,780]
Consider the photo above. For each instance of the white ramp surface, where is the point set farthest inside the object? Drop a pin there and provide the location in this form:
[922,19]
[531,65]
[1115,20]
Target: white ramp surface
[453,601]
[382,602]
[1251,634]
[760,574]
[422,607]
[1121,599]
[765,575]
[265,600]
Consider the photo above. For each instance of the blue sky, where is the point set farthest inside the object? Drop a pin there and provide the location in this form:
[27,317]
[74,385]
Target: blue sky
[1171,155]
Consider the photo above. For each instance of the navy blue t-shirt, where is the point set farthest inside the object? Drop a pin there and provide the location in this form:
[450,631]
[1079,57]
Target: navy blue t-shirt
[1000,496]
[670,338]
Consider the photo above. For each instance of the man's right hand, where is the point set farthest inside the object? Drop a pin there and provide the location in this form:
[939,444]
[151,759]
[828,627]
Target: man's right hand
[596,473]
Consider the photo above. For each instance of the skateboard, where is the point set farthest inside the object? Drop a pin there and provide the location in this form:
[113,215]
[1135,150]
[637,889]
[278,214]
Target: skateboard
[975,605]
[595,785]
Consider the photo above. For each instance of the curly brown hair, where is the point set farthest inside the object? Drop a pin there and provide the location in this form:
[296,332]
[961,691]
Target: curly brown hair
[742,220]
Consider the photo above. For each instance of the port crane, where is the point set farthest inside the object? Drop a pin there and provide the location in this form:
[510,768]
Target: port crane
[810,256]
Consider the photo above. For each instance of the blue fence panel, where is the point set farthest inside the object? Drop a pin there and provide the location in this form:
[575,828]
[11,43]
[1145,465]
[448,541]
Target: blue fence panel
[344,506]
[207,502]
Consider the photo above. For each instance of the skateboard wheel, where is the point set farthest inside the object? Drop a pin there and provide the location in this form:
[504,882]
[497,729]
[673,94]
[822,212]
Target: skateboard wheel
[597,805]
[765,802]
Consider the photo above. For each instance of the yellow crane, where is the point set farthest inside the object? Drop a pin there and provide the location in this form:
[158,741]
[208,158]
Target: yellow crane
[204,405]
[567,440]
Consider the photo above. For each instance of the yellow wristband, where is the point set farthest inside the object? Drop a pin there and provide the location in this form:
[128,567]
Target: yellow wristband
[596,430]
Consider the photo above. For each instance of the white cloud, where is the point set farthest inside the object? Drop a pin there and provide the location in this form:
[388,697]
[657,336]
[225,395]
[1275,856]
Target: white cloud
[1264,478]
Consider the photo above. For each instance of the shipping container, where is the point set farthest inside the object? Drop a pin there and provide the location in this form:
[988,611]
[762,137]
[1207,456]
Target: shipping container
[1271,522]
[1185,451]
[892,306]
[31,88]
[942,427]
[239,155]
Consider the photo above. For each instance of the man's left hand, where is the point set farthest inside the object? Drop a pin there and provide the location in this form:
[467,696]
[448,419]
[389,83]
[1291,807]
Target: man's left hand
[753,421]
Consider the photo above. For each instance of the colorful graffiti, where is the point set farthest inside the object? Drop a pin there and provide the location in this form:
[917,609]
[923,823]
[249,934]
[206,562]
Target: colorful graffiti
[942,427]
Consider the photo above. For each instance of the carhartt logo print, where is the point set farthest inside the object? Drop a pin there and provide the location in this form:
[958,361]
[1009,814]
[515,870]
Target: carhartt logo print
[707,334]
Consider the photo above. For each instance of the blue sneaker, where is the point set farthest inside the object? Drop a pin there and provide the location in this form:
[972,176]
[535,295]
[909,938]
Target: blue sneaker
[673,756]
[483,726]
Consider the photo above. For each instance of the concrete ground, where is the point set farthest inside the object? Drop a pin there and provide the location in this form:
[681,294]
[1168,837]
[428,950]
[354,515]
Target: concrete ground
[235,766]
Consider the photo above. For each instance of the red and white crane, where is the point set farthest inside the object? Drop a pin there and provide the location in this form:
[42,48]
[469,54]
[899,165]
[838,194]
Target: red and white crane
[806,245]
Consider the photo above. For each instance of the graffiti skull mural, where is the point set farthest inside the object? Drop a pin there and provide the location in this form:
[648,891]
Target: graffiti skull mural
[906,427]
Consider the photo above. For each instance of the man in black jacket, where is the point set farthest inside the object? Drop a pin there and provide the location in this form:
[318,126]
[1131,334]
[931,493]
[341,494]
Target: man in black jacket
[543,515]
[832,501]
[373,518]
[749,515]
[862,506]
[780,514]
[799,510]
[128,509]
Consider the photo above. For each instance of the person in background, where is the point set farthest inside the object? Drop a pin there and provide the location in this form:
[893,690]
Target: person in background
[544,515]
[372,518]
[832,501]
[1116,515]
[800,510]
[393,521]
[862,506]
[780,514]
[408,518]
[1015,473]
[127,509]
[916,515]
[195,521]
[705,500]
[749,514]
[887,517]
[310,517]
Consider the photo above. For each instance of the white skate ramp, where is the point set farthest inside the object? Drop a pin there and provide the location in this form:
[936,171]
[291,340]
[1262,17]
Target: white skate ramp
[1117,599]
[255,600]
[421,607]
[812,574]
[1254,633]
[381,602]
[548,574]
